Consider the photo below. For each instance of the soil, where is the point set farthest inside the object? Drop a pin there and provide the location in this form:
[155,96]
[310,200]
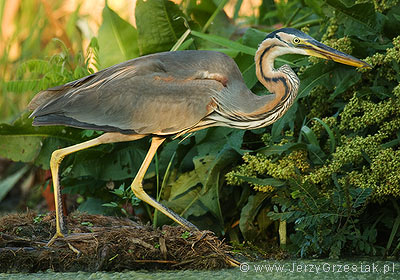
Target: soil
[103,243]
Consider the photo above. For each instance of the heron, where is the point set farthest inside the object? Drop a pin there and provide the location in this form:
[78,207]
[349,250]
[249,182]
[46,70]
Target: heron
[171,94]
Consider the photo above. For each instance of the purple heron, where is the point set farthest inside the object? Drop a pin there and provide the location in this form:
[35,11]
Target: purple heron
[172,94]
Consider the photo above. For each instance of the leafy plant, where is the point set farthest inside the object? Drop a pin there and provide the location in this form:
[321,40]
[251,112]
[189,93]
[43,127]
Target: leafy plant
[323,224]
[336,151]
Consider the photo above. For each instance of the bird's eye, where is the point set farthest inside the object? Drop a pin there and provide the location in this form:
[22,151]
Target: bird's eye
[296,40]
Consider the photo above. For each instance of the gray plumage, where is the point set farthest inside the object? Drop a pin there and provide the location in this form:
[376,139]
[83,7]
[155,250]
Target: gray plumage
[144,95]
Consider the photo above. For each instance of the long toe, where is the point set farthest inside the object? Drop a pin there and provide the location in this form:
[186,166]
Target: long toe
[56,236]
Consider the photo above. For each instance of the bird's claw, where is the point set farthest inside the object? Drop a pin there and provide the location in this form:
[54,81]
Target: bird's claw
[59,235]
[76,251]
[56,236]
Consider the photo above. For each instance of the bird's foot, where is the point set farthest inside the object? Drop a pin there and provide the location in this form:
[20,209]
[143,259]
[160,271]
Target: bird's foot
[54,238]
[68,238]
[81,236]
[76,251]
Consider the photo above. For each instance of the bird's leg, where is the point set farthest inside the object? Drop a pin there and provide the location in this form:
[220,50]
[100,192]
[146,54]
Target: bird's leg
[137,187]
[56,159]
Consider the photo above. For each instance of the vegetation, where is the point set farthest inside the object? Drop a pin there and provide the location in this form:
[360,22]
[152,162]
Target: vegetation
[328,167]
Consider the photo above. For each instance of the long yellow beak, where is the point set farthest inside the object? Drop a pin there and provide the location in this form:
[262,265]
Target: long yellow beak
[315,48]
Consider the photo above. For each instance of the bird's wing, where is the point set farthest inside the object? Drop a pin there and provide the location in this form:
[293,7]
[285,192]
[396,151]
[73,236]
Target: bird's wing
[159,94]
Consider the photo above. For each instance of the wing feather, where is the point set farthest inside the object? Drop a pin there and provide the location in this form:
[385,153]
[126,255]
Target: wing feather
[164,93]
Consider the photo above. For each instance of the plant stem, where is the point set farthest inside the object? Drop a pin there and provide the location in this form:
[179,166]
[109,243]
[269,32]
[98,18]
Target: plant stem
[292,16]
[308,22]
[158,190]
[211,19]
[395,227]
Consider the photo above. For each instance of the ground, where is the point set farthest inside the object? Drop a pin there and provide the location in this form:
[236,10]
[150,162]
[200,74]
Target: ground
[102,243]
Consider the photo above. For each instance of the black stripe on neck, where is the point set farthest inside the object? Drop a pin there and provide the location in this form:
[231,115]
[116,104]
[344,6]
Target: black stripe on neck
[267,49]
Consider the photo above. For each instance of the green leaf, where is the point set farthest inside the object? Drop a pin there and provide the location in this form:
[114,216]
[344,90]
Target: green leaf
[345,79]
[330,133]
[111,204]
[314,148]
[287,119]
[225,42]
[357,19]
[8,183]
[359,196]
[279,149]
[23,142]
[249,213]
[122,162]
[117,39]
[207,172]
[210,191]
[253,37]
[315,5]
[249,76]
[391,143]
[71,25]
[263,182]
[312,77]
[392,24]
[160,24]
[19,147]
[211,18]
[213,140]
[48,146]
[185,205]
[93,206]
[184,183]
[310,135]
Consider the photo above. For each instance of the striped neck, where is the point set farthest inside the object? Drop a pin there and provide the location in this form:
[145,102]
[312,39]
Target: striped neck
[282,83]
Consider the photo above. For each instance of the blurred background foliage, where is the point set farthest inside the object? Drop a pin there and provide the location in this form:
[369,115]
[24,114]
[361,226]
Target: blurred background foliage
[326,175]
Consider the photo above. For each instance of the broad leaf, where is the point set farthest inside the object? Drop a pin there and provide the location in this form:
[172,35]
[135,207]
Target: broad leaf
[207,172]
[160,24]
[109,162]
[225,42]
[315,75]
[358,19]
[210,192]
[330,134]
[253,37]
[184,183]
[287,119]
[263,182]
[185,205]
[212,18]
[117,39]
[7,183]
[280,149]
[93,206]
[344,79]
[249,213]
[23,142]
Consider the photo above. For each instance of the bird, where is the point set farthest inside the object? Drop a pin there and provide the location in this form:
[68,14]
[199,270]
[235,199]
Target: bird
[171,94]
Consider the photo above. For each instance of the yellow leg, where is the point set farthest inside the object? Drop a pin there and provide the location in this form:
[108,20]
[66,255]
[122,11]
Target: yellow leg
[137,187]
[55,162]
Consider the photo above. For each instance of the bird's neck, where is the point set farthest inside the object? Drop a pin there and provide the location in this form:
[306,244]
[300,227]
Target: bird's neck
[283,83]
[259,111]
[264,59]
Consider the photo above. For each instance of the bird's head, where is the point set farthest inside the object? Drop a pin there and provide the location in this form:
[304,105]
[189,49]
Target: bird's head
[293,41]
